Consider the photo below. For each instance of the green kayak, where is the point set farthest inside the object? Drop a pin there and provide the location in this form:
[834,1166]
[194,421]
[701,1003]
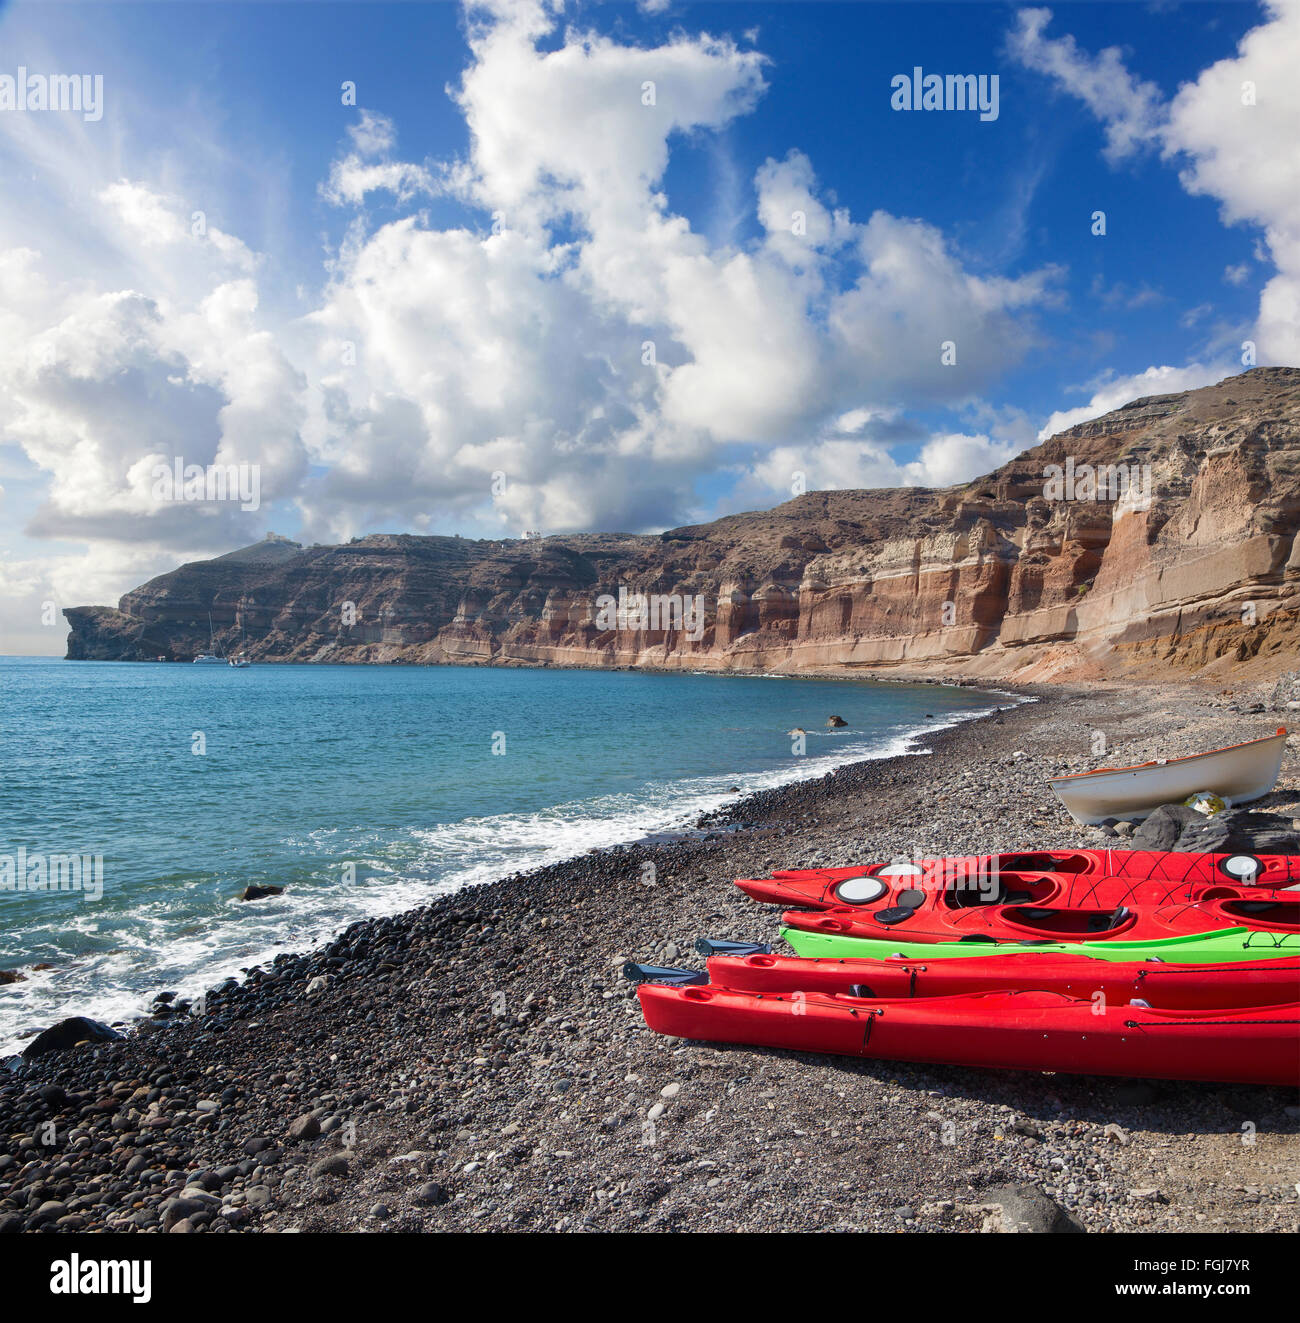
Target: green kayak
[1195,949]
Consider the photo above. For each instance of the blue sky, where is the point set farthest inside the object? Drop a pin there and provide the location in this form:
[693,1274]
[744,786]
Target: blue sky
[497,381]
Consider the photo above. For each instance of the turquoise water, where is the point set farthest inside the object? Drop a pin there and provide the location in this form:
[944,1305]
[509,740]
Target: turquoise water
[362,790]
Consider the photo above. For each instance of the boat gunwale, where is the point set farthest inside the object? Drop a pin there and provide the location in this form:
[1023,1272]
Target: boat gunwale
[1280,733]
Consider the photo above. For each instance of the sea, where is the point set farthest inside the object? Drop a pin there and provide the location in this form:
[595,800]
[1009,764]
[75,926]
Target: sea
[147,797]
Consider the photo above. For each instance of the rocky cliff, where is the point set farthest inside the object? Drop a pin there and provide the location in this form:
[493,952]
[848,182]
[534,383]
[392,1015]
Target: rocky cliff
[1162,534]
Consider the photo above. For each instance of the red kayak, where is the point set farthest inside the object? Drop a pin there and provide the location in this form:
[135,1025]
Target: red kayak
[1148,914]
[1026,1030]
[820,888]
[1026,906]
[1182,987]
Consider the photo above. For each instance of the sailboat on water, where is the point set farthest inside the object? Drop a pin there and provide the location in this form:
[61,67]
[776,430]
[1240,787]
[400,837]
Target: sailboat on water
[214,658]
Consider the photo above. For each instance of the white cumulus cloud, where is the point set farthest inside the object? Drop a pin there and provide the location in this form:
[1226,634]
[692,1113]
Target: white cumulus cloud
[581,337]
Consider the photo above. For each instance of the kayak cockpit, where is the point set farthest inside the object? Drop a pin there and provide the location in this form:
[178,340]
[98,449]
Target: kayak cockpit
[1003,889]
[1043,862]
[1275,915]
[1070,923]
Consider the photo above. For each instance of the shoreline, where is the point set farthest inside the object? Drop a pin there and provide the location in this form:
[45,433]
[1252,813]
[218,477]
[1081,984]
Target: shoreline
[129,1008]
[1015,680]
[479,1064]
[884,672]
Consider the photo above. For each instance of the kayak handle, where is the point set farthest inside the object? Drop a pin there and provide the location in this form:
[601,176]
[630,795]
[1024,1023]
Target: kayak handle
[662,974]
[711,946]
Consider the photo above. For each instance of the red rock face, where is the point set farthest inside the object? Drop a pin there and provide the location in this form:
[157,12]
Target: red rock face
[1173,539]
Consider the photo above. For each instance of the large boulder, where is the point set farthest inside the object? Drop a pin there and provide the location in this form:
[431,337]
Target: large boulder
[1211,835]
[1162,828]
[1258,833]
[1018,1209]
[1234,831]
[68,1033]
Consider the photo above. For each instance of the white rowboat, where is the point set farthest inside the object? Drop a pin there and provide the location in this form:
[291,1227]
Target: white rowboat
[1237,774]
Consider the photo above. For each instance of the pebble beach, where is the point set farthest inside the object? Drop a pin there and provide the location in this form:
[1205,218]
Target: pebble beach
[481,1064]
